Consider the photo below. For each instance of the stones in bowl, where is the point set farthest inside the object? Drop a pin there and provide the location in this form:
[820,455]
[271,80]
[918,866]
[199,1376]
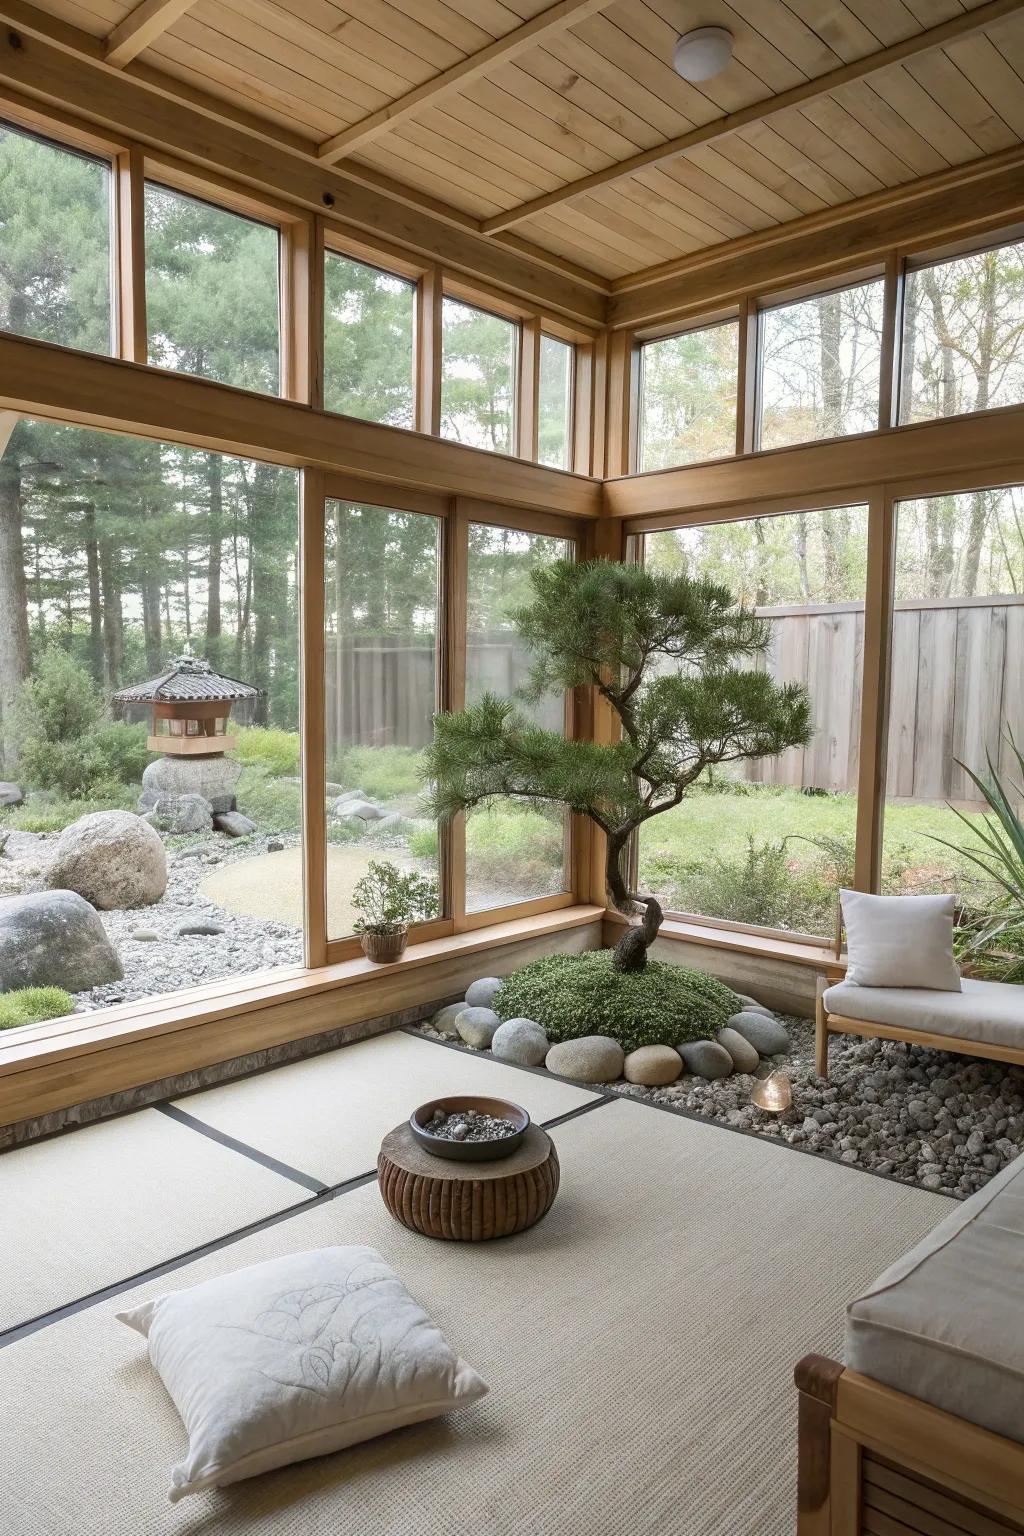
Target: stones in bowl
[438,1137]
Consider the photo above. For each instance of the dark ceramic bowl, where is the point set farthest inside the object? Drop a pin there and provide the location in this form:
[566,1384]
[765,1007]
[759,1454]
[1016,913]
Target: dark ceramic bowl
[469,1151]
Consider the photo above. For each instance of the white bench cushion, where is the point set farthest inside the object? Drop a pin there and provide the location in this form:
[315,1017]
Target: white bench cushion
[991,1012]
[946,1322]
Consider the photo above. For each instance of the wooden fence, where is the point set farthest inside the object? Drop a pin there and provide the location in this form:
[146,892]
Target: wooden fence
[957,681]
[380,688]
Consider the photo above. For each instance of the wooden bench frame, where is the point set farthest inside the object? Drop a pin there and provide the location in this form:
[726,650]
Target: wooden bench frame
[826,1024]
[873,1460]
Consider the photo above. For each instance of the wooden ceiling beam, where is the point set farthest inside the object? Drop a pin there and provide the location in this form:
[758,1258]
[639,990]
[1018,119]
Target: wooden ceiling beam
[555,18]
[963,24]
[140,28]
[47,64]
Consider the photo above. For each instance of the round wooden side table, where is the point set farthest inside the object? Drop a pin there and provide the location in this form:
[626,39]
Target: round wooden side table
[462,1201]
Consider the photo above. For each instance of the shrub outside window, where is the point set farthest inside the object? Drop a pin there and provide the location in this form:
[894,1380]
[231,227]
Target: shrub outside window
[56,263]
[369,342]
[687,402]
[820,366]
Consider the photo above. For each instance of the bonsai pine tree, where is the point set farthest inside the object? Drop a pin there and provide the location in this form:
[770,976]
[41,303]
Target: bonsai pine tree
[662,651]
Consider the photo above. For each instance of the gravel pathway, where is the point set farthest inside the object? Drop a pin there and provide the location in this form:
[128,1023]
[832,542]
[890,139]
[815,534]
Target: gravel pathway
[944,1122]
[166,960]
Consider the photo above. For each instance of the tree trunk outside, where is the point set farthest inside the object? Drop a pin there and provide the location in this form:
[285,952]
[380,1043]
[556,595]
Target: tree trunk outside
[92,561]
[113,627]
[15,653]
[214,471]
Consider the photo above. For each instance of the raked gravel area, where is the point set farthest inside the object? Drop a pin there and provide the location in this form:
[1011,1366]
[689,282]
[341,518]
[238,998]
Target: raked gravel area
[944,1122]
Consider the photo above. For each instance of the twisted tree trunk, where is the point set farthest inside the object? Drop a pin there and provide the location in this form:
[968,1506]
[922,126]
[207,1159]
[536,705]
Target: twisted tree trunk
[631,950]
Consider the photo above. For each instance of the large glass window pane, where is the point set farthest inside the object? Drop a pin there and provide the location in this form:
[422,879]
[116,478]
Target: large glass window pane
[212,292]
[769,842]
[963,335]
[381,625]
[479,370]
[555,405]
[820,366]
[957,689]
[515,849]
[55,243]
[150,599]
[688,397]
[369,368]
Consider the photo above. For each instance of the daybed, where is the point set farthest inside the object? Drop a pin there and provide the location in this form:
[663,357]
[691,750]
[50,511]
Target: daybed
[985,1018]
[922,1430]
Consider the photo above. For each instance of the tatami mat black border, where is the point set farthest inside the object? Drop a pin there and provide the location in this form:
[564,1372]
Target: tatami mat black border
[193,1123]
[19,1331]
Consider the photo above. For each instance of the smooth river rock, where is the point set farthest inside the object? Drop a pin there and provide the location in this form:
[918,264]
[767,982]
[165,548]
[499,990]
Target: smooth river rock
[765,1034]
[706,1058]
[522,1041]
[444,1020]
[477,1026]
[590,1059]
[482,992]
[112,858]
[653,1066]
[744,1057]
[54,939]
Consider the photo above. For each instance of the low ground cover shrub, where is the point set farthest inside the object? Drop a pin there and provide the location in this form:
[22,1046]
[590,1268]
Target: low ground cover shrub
[573,995]
[266,747]
[385,773]
[50,812]
[31,1005]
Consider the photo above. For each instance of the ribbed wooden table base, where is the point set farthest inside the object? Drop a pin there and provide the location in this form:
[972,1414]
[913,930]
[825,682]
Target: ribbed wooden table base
[467,1202]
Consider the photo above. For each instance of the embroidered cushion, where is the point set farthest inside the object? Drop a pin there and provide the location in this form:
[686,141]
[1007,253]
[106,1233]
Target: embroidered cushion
[294,1358]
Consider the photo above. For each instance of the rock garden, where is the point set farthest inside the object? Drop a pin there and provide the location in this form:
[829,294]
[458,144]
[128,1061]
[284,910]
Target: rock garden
[944,1122]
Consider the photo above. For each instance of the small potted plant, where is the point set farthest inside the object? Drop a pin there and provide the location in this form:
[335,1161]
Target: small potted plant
[388,901]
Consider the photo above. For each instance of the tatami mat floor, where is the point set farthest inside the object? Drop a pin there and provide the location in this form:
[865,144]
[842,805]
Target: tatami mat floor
[639,1342]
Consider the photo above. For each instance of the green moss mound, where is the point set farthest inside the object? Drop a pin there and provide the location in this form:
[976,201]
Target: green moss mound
[573,995]
[31,1005]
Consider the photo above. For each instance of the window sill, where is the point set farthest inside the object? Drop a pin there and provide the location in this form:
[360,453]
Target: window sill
[817,957]
[68,1061]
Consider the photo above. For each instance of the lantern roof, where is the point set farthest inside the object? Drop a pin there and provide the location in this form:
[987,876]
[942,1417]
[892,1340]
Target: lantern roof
[187,679]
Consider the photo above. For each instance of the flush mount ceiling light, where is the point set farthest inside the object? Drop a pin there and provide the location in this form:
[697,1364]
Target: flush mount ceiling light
[703,53]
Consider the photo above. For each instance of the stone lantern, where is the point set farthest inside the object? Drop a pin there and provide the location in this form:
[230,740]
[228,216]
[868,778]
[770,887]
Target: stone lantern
[191,786]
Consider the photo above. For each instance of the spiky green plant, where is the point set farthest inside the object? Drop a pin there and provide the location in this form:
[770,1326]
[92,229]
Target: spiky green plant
[1001,856]
[613,627]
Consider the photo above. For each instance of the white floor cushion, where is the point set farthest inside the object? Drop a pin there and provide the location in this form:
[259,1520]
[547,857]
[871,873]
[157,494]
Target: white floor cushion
[294,1358]
[946,1322]
[988,1011]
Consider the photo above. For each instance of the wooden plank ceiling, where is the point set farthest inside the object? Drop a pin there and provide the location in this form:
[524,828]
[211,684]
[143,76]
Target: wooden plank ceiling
[554,93]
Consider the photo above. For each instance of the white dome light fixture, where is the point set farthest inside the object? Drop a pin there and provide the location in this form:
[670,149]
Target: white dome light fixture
[702,54]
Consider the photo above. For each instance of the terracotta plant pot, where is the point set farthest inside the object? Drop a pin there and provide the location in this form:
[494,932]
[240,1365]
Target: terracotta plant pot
[384,947]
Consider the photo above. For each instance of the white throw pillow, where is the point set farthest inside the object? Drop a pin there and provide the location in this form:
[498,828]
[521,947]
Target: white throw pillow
[294,1358]
[900,941]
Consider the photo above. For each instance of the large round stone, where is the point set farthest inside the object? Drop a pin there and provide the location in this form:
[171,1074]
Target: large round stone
[744,1057]
[765,1034]
[112,858]
[54,939]
[482,992]
[477,1026]
[444,1020]
[653,1066]
[214,778]
[590,1059]
[522,1041]
[706,1058]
